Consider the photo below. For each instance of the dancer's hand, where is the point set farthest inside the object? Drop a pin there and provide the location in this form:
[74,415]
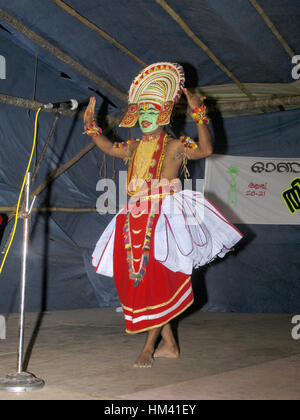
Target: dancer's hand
[89,114]
[193,100]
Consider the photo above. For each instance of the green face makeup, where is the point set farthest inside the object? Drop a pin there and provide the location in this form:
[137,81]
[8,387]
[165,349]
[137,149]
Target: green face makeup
[148,118]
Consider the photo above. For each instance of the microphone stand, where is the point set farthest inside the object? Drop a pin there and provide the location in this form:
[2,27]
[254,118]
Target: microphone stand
[37,168]
[23,381]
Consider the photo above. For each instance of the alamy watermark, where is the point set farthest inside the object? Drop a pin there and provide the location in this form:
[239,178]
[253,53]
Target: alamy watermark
[2,328]
[296,68]
[146,196]
[296,330]
[2,67]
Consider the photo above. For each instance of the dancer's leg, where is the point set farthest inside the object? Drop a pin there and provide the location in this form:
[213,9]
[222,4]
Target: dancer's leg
[169,347]
[145,359]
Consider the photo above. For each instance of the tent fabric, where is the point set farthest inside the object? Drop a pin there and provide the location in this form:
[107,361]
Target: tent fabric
[262,275]
[151,34]
[230,93]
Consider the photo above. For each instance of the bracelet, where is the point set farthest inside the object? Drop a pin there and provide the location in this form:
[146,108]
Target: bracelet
[93,130]
[199,115]
[188,142]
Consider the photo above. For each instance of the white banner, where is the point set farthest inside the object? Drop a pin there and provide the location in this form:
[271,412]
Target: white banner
[254,190]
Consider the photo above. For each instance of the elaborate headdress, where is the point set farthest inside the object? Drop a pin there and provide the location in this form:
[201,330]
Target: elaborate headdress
[159,84]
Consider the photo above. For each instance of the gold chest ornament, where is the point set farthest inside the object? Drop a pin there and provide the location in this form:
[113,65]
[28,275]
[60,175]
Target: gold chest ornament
[146,162]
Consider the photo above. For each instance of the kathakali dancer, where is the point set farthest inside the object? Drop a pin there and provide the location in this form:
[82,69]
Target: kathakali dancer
[152,245]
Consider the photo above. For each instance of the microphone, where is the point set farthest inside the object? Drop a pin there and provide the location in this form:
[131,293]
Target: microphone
[72,104]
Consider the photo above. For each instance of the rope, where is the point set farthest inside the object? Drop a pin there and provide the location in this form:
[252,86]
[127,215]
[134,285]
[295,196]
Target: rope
[98,30]
[204,47]
[271,26]
[14,23]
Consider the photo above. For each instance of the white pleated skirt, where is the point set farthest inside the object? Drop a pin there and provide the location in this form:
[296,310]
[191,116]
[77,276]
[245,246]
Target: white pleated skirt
[190,233]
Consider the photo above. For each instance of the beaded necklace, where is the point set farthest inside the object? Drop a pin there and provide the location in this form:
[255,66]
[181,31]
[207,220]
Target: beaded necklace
[152,170]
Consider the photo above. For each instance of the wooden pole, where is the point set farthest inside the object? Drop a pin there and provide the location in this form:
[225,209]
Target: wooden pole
[239,106]
[6,209]
[114,120]
[59,171]
[260,103]
[41,42]
[178,19]
[34,105]
[272,27]
[98,31]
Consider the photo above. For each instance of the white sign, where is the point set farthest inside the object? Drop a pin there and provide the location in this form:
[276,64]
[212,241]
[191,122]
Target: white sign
[254,190]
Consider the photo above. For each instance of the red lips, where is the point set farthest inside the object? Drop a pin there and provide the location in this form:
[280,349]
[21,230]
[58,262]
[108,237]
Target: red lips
[146,124]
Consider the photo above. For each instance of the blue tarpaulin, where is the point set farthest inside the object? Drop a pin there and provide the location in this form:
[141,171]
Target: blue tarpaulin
[263,273]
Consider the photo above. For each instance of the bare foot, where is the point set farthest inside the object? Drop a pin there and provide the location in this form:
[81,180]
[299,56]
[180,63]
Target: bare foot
[145,360]
[167,350]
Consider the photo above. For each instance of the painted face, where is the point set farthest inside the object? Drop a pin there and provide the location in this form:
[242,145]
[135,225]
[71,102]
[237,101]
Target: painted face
[148,118]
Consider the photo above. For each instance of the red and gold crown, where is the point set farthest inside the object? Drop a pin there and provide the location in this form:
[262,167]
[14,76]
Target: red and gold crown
[159,84]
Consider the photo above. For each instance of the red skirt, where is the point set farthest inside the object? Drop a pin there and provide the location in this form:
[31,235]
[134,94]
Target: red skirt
[160,296]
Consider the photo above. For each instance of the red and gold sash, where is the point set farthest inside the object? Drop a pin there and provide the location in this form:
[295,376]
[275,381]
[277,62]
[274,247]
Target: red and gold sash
[146,162]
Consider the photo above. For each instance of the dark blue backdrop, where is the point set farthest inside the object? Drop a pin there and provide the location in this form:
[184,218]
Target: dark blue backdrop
[262,275]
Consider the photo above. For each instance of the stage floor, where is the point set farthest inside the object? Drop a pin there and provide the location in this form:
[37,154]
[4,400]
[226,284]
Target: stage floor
[86,355]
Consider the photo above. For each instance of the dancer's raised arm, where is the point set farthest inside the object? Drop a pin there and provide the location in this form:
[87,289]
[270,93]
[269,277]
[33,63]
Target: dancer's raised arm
[204,144]
[96,134]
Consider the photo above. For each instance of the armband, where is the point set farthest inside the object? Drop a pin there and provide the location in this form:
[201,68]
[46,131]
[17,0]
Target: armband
[188,142]
[123,144]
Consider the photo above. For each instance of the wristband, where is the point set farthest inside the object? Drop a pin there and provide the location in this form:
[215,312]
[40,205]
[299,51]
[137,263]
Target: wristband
[199,115]
[93,130]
